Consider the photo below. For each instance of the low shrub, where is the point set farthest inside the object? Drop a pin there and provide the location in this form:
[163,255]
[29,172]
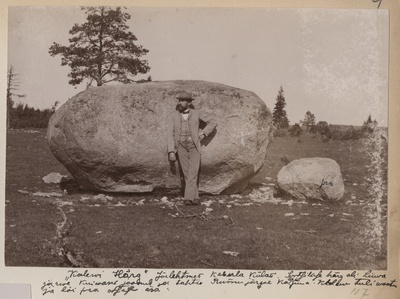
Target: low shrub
[348,134]
[281,133]
[295,130]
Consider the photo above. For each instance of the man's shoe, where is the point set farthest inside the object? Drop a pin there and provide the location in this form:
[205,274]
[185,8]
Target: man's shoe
[187,202]
[196,202]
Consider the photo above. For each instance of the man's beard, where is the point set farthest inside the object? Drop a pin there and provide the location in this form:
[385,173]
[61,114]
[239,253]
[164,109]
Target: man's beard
[181,109]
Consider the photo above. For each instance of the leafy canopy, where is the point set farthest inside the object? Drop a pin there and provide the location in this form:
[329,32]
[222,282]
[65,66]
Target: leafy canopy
[309,120]
[102,49]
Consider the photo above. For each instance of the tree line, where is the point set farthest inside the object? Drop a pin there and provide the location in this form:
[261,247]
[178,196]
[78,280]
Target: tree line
[326,131]
[22,115]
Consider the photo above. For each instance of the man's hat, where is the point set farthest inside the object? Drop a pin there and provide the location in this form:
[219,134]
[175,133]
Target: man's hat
[184,96]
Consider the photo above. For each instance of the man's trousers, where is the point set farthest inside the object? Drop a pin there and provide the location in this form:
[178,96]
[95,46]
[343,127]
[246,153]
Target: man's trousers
[189,161]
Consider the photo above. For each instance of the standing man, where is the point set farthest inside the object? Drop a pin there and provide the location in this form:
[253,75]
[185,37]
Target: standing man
[183,137]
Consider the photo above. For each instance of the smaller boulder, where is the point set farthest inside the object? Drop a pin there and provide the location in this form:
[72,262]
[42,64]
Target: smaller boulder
[53,178]
[312,178]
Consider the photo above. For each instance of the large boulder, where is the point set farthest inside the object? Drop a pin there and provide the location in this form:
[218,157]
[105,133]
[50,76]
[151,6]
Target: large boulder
[312,178]
[113,138]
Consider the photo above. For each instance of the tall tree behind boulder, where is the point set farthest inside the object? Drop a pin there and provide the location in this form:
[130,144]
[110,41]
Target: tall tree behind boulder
[102,49]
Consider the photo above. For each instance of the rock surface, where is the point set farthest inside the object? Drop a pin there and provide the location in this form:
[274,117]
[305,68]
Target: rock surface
[113,138]
[53,178]
[312,178]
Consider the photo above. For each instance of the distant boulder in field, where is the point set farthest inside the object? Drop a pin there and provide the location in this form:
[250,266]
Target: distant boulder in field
[312,178]
[113,138]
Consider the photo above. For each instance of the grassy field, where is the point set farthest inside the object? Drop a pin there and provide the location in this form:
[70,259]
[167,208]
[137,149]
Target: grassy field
[142,231]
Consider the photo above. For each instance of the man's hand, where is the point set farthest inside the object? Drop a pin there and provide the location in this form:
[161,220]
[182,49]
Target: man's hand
[172,157]
[201,136]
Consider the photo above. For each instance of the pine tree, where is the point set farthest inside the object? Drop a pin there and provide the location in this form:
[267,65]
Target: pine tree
[102,49]
[279,115]
[369,125]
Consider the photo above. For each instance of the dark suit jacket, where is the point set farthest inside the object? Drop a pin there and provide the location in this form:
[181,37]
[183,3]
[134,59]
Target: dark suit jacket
[194,118]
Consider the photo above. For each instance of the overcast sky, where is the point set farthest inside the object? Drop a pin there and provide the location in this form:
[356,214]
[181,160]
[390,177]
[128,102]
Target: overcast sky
[331,62]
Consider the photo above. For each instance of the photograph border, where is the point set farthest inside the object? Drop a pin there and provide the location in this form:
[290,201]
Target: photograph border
[36,276]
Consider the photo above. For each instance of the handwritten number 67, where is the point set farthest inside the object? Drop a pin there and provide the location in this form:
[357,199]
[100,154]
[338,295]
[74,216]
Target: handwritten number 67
[356,291]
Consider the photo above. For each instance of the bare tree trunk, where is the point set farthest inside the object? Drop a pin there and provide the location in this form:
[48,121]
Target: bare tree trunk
[12,85]
[10,76]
